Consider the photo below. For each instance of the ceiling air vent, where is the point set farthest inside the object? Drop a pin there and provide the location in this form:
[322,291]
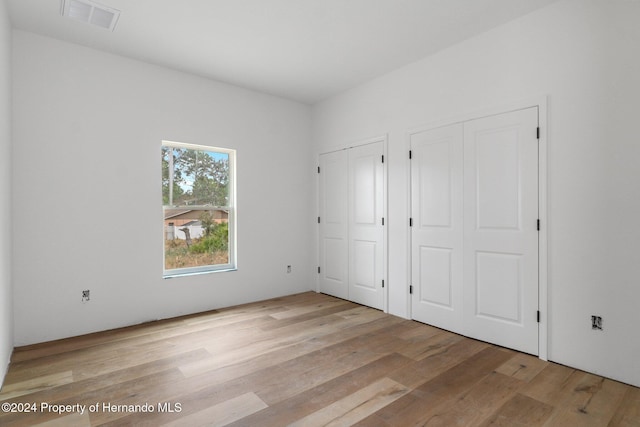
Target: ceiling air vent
[91,13]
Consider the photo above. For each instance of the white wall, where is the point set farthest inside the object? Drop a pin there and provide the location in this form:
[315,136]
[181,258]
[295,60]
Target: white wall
[87,133]
[6,298]
[583,55]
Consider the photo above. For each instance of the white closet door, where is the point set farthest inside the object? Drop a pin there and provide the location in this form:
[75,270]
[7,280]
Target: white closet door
[366,237]
[334,243]
[436,237]
[500,229]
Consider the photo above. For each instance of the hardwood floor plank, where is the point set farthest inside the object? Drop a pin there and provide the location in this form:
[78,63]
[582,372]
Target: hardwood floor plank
[309,359]
[520,411]
[441,356]
[628,412]
[308,314]
[426,400]
[418,350]
[160,387]
[170,327]
[94,360]
[327,344]
[196,395]
[302,378]
[471,408]
[523,367]
[356,406]
[38,351]
[571,393]
[303,404]
[70,390]
[33,385]
[203,391]
[223,413]
[271,341]
[308,309]
[593,403]
[479,403]
[73,420]
[420,332]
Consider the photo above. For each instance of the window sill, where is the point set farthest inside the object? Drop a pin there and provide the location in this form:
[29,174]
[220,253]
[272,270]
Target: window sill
[197,273]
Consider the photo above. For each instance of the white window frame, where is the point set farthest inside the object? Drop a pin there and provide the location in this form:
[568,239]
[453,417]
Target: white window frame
[231,265]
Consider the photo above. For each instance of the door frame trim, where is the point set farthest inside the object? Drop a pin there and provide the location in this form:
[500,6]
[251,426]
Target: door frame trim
[507,107]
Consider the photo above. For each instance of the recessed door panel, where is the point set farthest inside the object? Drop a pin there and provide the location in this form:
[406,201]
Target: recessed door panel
[435,277]
[498,172]
[435,182]
[364,188]
[334,264]
[499,286]
[335,194]
[364,259]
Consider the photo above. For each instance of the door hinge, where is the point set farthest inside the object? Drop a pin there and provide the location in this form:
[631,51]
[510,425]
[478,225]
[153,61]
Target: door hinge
[383,283]
[411,289]
[318,269]
[383,158]
[538,132]
[410,222]
[409,154]
[538,316]
[318,220]
[538,225]
[382,220]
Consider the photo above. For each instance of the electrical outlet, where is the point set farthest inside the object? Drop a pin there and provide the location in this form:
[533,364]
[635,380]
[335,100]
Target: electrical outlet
[596,322]
[288,269]
[85,295]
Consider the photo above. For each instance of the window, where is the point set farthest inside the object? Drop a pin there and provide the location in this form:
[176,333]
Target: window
[198,204]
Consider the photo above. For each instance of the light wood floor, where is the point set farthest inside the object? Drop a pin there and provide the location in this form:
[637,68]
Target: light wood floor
[302,360]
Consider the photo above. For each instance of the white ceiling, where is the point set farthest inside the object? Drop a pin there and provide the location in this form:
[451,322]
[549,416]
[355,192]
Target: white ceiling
[305,50]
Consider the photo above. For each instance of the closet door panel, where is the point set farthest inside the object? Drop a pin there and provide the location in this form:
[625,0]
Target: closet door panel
[366,237]
[500,229]
[436,234]
[334,243]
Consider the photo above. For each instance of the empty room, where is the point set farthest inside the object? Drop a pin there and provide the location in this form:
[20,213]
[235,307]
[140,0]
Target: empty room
[319,212]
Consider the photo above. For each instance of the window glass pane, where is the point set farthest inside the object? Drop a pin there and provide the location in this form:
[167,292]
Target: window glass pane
[194,177]
[195,238]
